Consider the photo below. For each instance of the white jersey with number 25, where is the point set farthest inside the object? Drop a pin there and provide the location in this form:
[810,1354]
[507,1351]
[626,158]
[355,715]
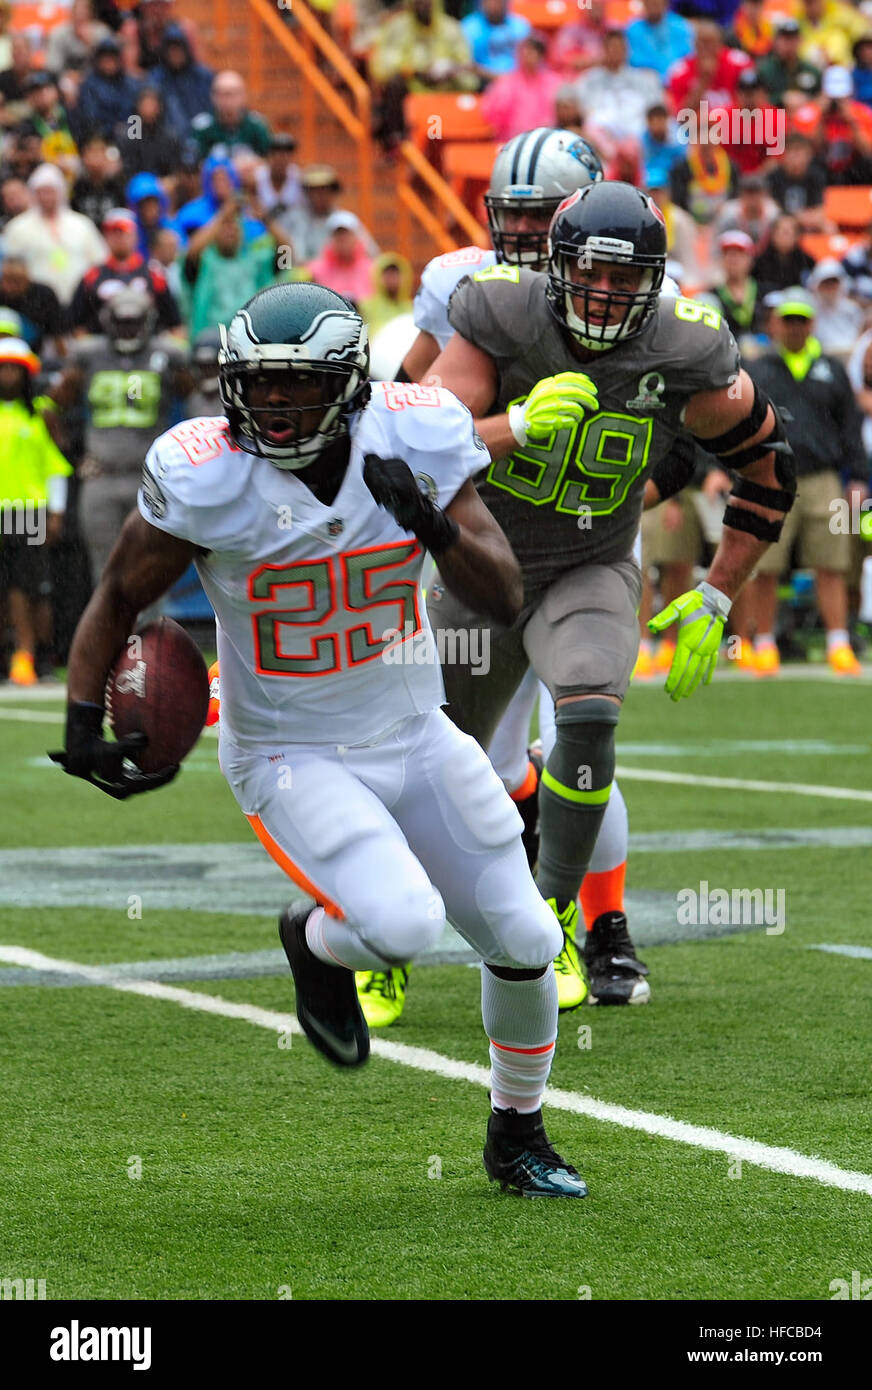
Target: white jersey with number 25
[309,596]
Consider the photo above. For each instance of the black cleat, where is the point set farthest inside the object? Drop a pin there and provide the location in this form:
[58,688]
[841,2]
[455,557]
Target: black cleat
[519,1156]
[615,973]
[327,1006]
[529,810]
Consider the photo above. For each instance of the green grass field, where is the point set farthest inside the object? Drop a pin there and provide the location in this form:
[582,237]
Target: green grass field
[150,1150]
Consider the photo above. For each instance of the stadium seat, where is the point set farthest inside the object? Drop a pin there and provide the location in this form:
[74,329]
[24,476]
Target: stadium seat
[820,246]
[849,208]
[467,167]
[444,116]
[546,14]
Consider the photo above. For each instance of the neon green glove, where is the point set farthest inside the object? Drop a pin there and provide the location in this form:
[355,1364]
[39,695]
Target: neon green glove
[701,614]
[555,403]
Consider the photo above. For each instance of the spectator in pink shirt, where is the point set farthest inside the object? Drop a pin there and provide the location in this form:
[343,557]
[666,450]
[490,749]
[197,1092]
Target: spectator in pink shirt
[523,99]
[345,264]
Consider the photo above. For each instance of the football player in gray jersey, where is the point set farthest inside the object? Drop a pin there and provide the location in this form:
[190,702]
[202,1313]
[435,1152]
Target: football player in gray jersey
[580,380]
[129,382]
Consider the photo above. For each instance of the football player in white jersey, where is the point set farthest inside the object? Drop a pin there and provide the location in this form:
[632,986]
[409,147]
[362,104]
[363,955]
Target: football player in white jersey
[532,174]
[308,511]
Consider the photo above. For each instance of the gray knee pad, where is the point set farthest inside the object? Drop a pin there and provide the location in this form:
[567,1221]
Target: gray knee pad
[574,793]
[583,757]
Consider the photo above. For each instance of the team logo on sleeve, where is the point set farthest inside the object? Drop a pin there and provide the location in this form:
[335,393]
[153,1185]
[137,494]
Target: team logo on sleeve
[651,388]
[428,486]
[152,496]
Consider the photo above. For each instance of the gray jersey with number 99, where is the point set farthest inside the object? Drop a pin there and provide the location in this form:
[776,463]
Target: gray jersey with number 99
[575,498]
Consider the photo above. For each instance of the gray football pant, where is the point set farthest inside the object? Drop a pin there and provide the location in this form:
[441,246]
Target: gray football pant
[103,507]
[581,638]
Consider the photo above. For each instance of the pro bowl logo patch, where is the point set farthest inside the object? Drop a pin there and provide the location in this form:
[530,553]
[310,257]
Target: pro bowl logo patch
[651,388]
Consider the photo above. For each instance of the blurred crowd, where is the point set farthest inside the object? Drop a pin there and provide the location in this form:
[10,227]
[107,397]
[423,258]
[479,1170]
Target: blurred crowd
[142,200]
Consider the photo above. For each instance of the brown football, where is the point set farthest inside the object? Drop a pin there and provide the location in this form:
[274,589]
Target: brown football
[159,686]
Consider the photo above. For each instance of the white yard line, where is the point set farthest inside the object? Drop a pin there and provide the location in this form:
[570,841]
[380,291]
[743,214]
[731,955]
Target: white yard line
[629,774]
[856,952]
[739,784]
[777,1160]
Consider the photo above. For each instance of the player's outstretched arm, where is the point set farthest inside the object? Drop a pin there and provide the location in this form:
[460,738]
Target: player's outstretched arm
[736,423]
[143,565]
[421,354]
[745,433]
[480,568]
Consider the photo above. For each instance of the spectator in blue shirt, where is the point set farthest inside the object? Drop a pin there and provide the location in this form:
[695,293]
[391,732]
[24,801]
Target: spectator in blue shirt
[658,40]
[493,36]
[661,147]
[863,71]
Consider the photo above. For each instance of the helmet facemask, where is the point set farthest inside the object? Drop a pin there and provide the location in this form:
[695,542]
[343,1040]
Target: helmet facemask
[307,429]
[128,332]
[596,327]
[527,248]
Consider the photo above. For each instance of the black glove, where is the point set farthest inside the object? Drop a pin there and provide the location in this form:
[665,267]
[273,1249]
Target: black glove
[94,758]
[394,486]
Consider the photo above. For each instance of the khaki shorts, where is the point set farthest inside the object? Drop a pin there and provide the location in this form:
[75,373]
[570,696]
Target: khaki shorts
[686,546]
[808,521]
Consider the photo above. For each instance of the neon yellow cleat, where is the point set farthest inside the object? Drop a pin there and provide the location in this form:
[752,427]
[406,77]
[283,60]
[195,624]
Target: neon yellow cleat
[767,661]
[382,994]
[841,660]
[21,670]
[568,969]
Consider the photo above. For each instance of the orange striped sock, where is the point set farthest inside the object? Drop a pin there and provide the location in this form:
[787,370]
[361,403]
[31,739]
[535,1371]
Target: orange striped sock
[527,787]
[603,893]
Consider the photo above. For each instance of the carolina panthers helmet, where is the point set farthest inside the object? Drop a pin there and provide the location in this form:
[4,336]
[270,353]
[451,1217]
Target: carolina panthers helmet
[128,319]
[535,171]
[303,331]
[615,223]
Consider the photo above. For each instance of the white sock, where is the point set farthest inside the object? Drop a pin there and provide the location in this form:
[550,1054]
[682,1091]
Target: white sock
[520,1018]
[507,749]
[764,640]
[837,637]
[613,841]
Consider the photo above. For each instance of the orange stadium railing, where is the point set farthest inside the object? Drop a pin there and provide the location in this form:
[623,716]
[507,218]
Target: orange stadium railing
[311,50]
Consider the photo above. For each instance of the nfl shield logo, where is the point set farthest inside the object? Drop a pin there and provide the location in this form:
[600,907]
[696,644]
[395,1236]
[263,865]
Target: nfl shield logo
[335,526]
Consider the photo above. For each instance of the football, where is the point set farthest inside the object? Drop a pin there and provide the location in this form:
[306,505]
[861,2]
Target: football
[159,686]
